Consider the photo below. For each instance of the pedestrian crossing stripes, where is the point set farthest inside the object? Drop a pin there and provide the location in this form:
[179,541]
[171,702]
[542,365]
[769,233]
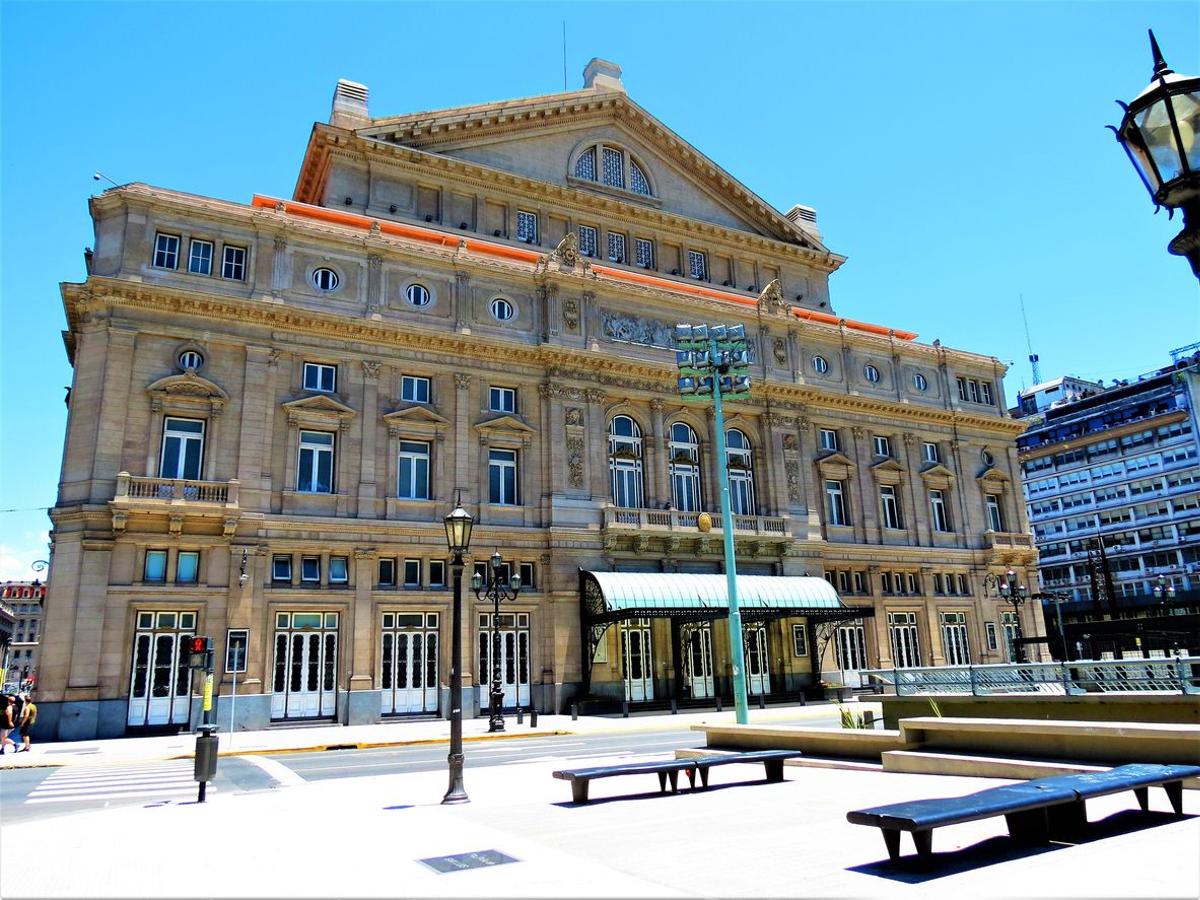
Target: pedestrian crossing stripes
[155,781]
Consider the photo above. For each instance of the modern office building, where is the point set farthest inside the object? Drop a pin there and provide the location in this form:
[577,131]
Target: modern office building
[276,402]
[1112,480]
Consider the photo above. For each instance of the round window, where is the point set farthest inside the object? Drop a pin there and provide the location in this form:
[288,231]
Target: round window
[919,382]
[190,361]
[820,366]
[871,372]
[502,310]
[325,279]
[417,294]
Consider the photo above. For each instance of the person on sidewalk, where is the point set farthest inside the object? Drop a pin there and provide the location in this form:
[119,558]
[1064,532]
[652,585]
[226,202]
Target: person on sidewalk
[6,720]
[28,719]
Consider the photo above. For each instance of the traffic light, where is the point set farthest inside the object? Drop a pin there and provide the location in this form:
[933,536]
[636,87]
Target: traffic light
[198,648]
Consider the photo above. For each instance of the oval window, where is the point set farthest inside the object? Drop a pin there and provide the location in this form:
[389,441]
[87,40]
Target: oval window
[417,294]
[871,372]
[502,310]
[919,382]
[820,366]
[325,279]
[190,361]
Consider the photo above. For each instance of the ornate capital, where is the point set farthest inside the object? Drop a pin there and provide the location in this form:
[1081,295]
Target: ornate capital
[595,395]
[803,423]
[545,390]
[463,279]
[370,369]
[859,432]
[909,438]
[280,243]
[375,261]
[462,381]
[656,404]
[273,357]
[364,552]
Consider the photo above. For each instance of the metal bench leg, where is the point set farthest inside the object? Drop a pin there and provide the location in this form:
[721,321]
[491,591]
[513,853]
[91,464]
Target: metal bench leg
[924,843]
[891,837]
[704,776]
[579,791]
[774,769]
[674,776]
[662,781]
[691,774]
[1143,798]
[1174,791]
[1067,819]
[1030,826]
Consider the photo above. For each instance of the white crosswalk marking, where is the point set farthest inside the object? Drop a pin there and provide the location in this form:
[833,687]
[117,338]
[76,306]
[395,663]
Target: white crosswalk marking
[157,781]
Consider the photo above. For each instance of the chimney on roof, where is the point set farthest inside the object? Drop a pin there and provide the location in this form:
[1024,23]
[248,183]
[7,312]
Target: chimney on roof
[602,75]
[349,105]
[806,218]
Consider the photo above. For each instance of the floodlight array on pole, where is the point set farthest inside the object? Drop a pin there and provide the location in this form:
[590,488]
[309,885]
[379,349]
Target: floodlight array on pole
[714,361]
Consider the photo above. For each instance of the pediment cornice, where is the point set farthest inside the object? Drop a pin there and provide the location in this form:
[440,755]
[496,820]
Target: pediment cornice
[188,385]
[416,415]
[320,409]
[992,475]
[505,422]
[936,472]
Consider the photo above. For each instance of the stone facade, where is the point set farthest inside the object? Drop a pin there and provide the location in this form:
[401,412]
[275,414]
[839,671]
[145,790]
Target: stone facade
[281,400]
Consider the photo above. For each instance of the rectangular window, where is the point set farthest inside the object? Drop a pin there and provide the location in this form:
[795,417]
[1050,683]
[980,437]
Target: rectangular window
[843,579]
[799,640]
[413,471]
[182,449]
[200,257]
[387,572]
[962,387]
[929,452]
[412,573]
[187,567]
[883,447]
[937,505]
[985,393]
[236,642]
[502,399]
[613,168]
[310,568]
[914,587]
[697,265]
[906,648]
[835,511]
[527,580]
[339,569]
[315,471]
[937,583]
[527,227]
[587,240]
[414,389]
[320,377]
[860,583]
[989,629]
[166,251]
[281,569]
[156,565]
[437,573]
[645,253]
[954,639]
[962,584]
[897,583]
[995,519]
[890,507]
[616,247]
[233,263]
[829,439]
[502,477]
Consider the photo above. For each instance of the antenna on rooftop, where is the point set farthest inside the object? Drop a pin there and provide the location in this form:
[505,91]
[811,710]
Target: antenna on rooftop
[564,24]
[1033,357]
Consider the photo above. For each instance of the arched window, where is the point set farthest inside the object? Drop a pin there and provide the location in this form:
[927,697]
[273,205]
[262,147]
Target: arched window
[625,462]
[741,473]
[614,167]
[685,468]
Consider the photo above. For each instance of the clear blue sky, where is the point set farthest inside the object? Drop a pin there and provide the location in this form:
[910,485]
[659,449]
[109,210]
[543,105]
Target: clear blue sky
[954,152]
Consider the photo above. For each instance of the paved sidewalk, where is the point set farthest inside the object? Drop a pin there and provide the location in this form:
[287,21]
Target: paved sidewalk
[366,837]
[396,733]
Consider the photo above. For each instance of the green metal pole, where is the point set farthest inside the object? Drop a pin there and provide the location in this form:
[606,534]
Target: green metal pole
[736,651]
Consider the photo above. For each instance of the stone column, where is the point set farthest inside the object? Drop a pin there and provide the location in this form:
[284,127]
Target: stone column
[462,427]
[866,524]
[361,659]
[368,429]
[460,302]
[374,283]
[597,457]
[281,268]
[810,497]
[773,432]
[115,396]
[918,497]
[657,459]
[255,417]
[710,479]
[966,520]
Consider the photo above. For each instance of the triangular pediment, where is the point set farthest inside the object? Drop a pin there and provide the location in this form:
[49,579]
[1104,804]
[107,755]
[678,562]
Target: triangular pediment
[993,475]
[504,422]
[887,465]
[836,459]
[935,471]
[188,384]
[415,415]
[540,137]
[320,403]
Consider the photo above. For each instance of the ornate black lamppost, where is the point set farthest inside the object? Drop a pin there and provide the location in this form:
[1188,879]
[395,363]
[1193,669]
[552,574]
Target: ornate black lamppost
[1010,588]
[494,588]
[1164,588]
[1161,133]
[458,539]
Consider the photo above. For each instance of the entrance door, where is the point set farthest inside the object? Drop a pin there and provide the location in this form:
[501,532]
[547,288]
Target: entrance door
[409,650]
[758,676]
[700,662]
[160,684]
[305,666]
[511,644]
[850,650]
[639,661]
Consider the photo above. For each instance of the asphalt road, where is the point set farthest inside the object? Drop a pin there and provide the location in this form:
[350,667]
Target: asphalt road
[27,794]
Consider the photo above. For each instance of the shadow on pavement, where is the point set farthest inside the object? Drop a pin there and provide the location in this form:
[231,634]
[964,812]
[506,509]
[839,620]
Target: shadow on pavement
[909,869]
[649,795]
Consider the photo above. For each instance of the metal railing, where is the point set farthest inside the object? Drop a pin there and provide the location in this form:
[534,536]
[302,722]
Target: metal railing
[672,519]
[1092,676]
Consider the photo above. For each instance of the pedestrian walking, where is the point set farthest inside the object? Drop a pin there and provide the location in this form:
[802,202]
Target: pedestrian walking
[28,719]
[6,721]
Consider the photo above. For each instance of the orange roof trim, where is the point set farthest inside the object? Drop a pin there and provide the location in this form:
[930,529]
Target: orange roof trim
[488,248]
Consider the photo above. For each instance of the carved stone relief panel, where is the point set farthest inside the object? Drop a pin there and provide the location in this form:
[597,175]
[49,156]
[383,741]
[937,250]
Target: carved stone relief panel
[636,330]
[575,460]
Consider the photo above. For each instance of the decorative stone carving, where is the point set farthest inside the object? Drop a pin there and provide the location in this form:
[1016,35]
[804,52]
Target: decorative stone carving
[780,349]
[280,243]
[575,416]
[462,381]
[120,519]
[463,279]
[789,442]
[656,404]
[229,526]
[634,330]
[596,396]
[567,251]
[771,299]
[375,261]
[571,314]
[859,432]
[273,357]
[792,469]
[364,552]
[575,459]
[175,523]
[370,369]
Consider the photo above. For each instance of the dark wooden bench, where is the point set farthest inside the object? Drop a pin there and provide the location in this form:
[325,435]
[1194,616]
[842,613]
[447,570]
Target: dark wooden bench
[665,769]
[1032,809]
[669,769]
[771,759]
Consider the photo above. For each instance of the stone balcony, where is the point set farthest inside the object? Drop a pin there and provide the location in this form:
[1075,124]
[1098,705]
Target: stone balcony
[176,498]
[1005,540]
[671,528]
